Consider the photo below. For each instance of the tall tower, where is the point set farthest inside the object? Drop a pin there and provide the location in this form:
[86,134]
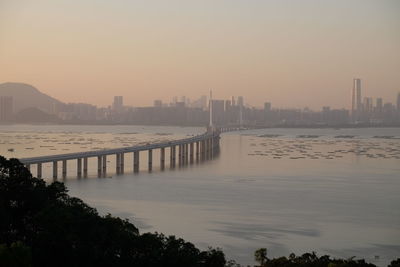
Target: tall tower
[210,108]
[398,102]
[356,105]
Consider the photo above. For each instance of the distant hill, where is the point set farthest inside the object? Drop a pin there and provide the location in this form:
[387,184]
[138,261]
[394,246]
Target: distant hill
[26,96]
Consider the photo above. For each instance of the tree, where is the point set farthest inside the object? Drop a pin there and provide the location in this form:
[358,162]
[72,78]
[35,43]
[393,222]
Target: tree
[16,255]
[261,256]
[395,263]
[45,226]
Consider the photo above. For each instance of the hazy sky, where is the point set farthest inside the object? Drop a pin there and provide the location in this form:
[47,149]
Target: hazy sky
[292,53]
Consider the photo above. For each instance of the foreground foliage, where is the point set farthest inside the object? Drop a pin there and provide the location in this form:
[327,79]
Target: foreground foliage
[41,225]
[311,260]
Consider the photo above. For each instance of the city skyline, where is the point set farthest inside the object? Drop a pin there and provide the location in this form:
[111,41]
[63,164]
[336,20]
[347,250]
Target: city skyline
[270,49]
[31,105]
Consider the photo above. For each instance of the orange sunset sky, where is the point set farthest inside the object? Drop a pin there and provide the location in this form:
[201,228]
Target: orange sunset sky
[292,53]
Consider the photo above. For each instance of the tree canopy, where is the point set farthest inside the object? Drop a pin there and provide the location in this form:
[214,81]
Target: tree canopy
[41,225]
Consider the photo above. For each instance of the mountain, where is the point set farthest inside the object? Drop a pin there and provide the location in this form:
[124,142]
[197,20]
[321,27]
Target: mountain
[26,96]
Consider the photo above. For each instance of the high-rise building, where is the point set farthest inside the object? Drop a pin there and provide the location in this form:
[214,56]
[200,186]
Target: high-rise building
[228,105]
[118,104]
[267,106]
[157,103]
[6,108]
[367,105]
[379,105]
[240,101]
[356,105]
[218,111]
[398,102]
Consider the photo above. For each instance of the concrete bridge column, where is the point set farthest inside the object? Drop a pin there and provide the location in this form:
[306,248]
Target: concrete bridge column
[117,163]
[85,167]
[28,166]
[99,165]
[104,165]
[183,154]
[136,161]
[211,148]
[206,149]
[122,163]
[202,148]
[191,152]
[197,150]
[186,153]
[79,167]
[180,155]
[39,170]
[171,156]
[162,158]
[64,168]
[150,163]
[55,170]
[174,159]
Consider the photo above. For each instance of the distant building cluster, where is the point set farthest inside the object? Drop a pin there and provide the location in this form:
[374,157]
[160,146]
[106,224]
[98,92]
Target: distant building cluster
[368,110]
[233,111]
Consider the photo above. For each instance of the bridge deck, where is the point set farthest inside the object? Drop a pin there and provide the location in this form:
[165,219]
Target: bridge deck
[97,153]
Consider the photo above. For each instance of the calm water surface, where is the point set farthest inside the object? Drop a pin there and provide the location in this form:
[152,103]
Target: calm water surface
[289,190]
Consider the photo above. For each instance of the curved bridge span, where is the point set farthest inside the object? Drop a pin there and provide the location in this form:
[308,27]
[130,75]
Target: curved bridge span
[200,147]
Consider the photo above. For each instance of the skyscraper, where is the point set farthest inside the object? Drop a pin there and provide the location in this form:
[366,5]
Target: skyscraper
[118,103]
[240,101]
[267,106]
[398,102]
[356,105]
[379,105]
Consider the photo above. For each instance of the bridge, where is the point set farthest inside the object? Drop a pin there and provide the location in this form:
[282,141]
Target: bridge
[204,146]
[200,147]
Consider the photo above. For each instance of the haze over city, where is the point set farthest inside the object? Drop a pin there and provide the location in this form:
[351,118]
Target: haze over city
[290,53]
[208,133]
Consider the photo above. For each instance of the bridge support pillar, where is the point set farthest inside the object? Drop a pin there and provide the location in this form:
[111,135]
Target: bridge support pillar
[79,168]
[191,152]
[104,165]
[162,158]
[85,167]
[28,166]
[39,170]
[183,154]
[179,155]
[197,151]
[122,163]
[172,156]
[207,148]
[211,147]
[64,169]
[117,163]
[136,161]
[99,165]
[202,148]
[186,153]
[150,159]
[55,169]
